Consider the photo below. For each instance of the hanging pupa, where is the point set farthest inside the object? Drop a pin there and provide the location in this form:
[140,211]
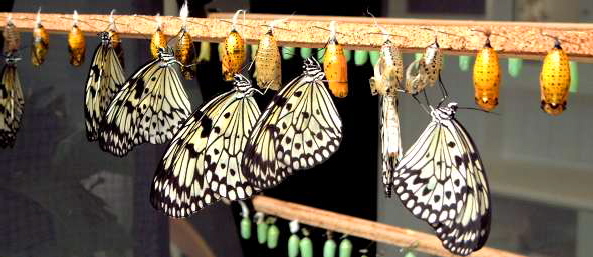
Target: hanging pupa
[76,42]
[184,51]
[267,60]
[425,71]
[115,39]
[486,76]
[158,39]
[335,65]
[40,42]
[12,37]
[234,53]
[555,80]
[389,70]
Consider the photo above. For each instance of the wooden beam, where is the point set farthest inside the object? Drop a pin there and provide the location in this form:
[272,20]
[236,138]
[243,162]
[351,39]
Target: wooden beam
[516,39]
[362,228]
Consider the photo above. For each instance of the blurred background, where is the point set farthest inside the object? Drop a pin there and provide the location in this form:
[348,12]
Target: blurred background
[63,196]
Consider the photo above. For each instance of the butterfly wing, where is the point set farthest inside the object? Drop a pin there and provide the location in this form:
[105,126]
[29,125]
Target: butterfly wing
[179,186]
[150,107]
[300,128]
[441,180]
[104,80]
[391,146]
[11,105]
[231,130]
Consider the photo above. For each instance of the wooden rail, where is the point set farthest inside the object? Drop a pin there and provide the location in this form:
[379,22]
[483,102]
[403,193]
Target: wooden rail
[363,228]
[512,39]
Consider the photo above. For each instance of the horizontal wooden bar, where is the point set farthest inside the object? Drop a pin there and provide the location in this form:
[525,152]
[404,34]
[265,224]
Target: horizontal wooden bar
[511,39]
[362,228]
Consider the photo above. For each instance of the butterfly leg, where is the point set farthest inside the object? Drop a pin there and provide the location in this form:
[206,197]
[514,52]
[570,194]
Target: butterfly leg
[415,96]
[443,91]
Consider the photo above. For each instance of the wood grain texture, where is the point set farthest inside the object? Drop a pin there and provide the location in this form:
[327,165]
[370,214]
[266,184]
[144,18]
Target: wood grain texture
[510,39]
[362,228]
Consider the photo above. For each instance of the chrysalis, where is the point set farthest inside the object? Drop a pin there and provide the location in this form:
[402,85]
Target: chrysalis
[76,43]
[425,71]
[158,39]
[115,39]
[267,61]
[487,77]
[233,54]
[335,65]
[184,48]
[12,37]
[555,80]
[40,42]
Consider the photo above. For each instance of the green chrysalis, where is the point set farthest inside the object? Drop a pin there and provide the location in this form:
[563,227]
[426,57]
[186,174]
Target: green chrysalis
[254,51]
[464,62]
[361,57]
[273,234]
[306,52]
[329,248]
[348,54]
[374,57]
[515,67]
[410,254]
[246,228]
[288,52]
[574,77]
[306,247]
[345,248]
[293,245]
[320,54]
[262,232]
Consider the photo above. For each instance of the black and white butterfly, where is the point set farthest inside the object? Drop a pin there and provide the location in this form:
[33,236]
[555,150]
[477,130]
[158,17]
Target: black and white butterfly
[12,102]
[151,107]
[299,129]
[203,162]
[441,180]
[105,78]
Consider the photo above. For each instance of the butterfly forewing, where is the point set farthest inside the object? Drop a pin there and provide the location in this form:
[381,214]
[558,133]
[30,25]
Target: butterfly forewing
[11,105]
[150,107]
[104,80]
[300,128]
[441,180]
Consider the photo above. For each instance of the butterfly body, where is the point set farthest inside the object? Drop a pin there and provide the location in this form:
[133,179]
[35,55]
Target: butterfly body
[486,78]
[76,46]
[336,68]
[40,45]
[150,107]
[12,103]
[299,129]
[424,72]
[233,55]
[267,63]
[104,80]
[441,180]
[391,143]
[202,162]
[555,81]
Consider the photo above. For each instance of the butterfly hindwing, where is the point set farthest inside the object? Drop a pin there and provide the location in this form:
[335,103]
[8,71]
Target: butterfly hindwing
[104,80]
[441,180]
[11,105]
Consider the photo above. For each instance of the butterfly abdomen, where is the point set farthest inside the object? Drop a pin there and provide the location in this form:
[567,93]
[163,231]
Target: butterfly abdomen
[268,63]
[335,68]
[486,78]
[40,45]
[76,46]
[555,81]
[233,55]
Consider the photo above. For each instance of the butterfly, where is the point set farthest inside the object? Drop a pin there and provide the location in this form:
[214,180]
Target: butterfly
[12,102]
[150,107]
[104,80]
[202,163]
[299,129]
[441,180]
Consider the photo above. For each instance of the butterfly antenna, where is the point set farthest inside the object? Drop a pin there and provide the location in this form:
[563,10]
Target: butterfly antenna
[477,109]
[415,96]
